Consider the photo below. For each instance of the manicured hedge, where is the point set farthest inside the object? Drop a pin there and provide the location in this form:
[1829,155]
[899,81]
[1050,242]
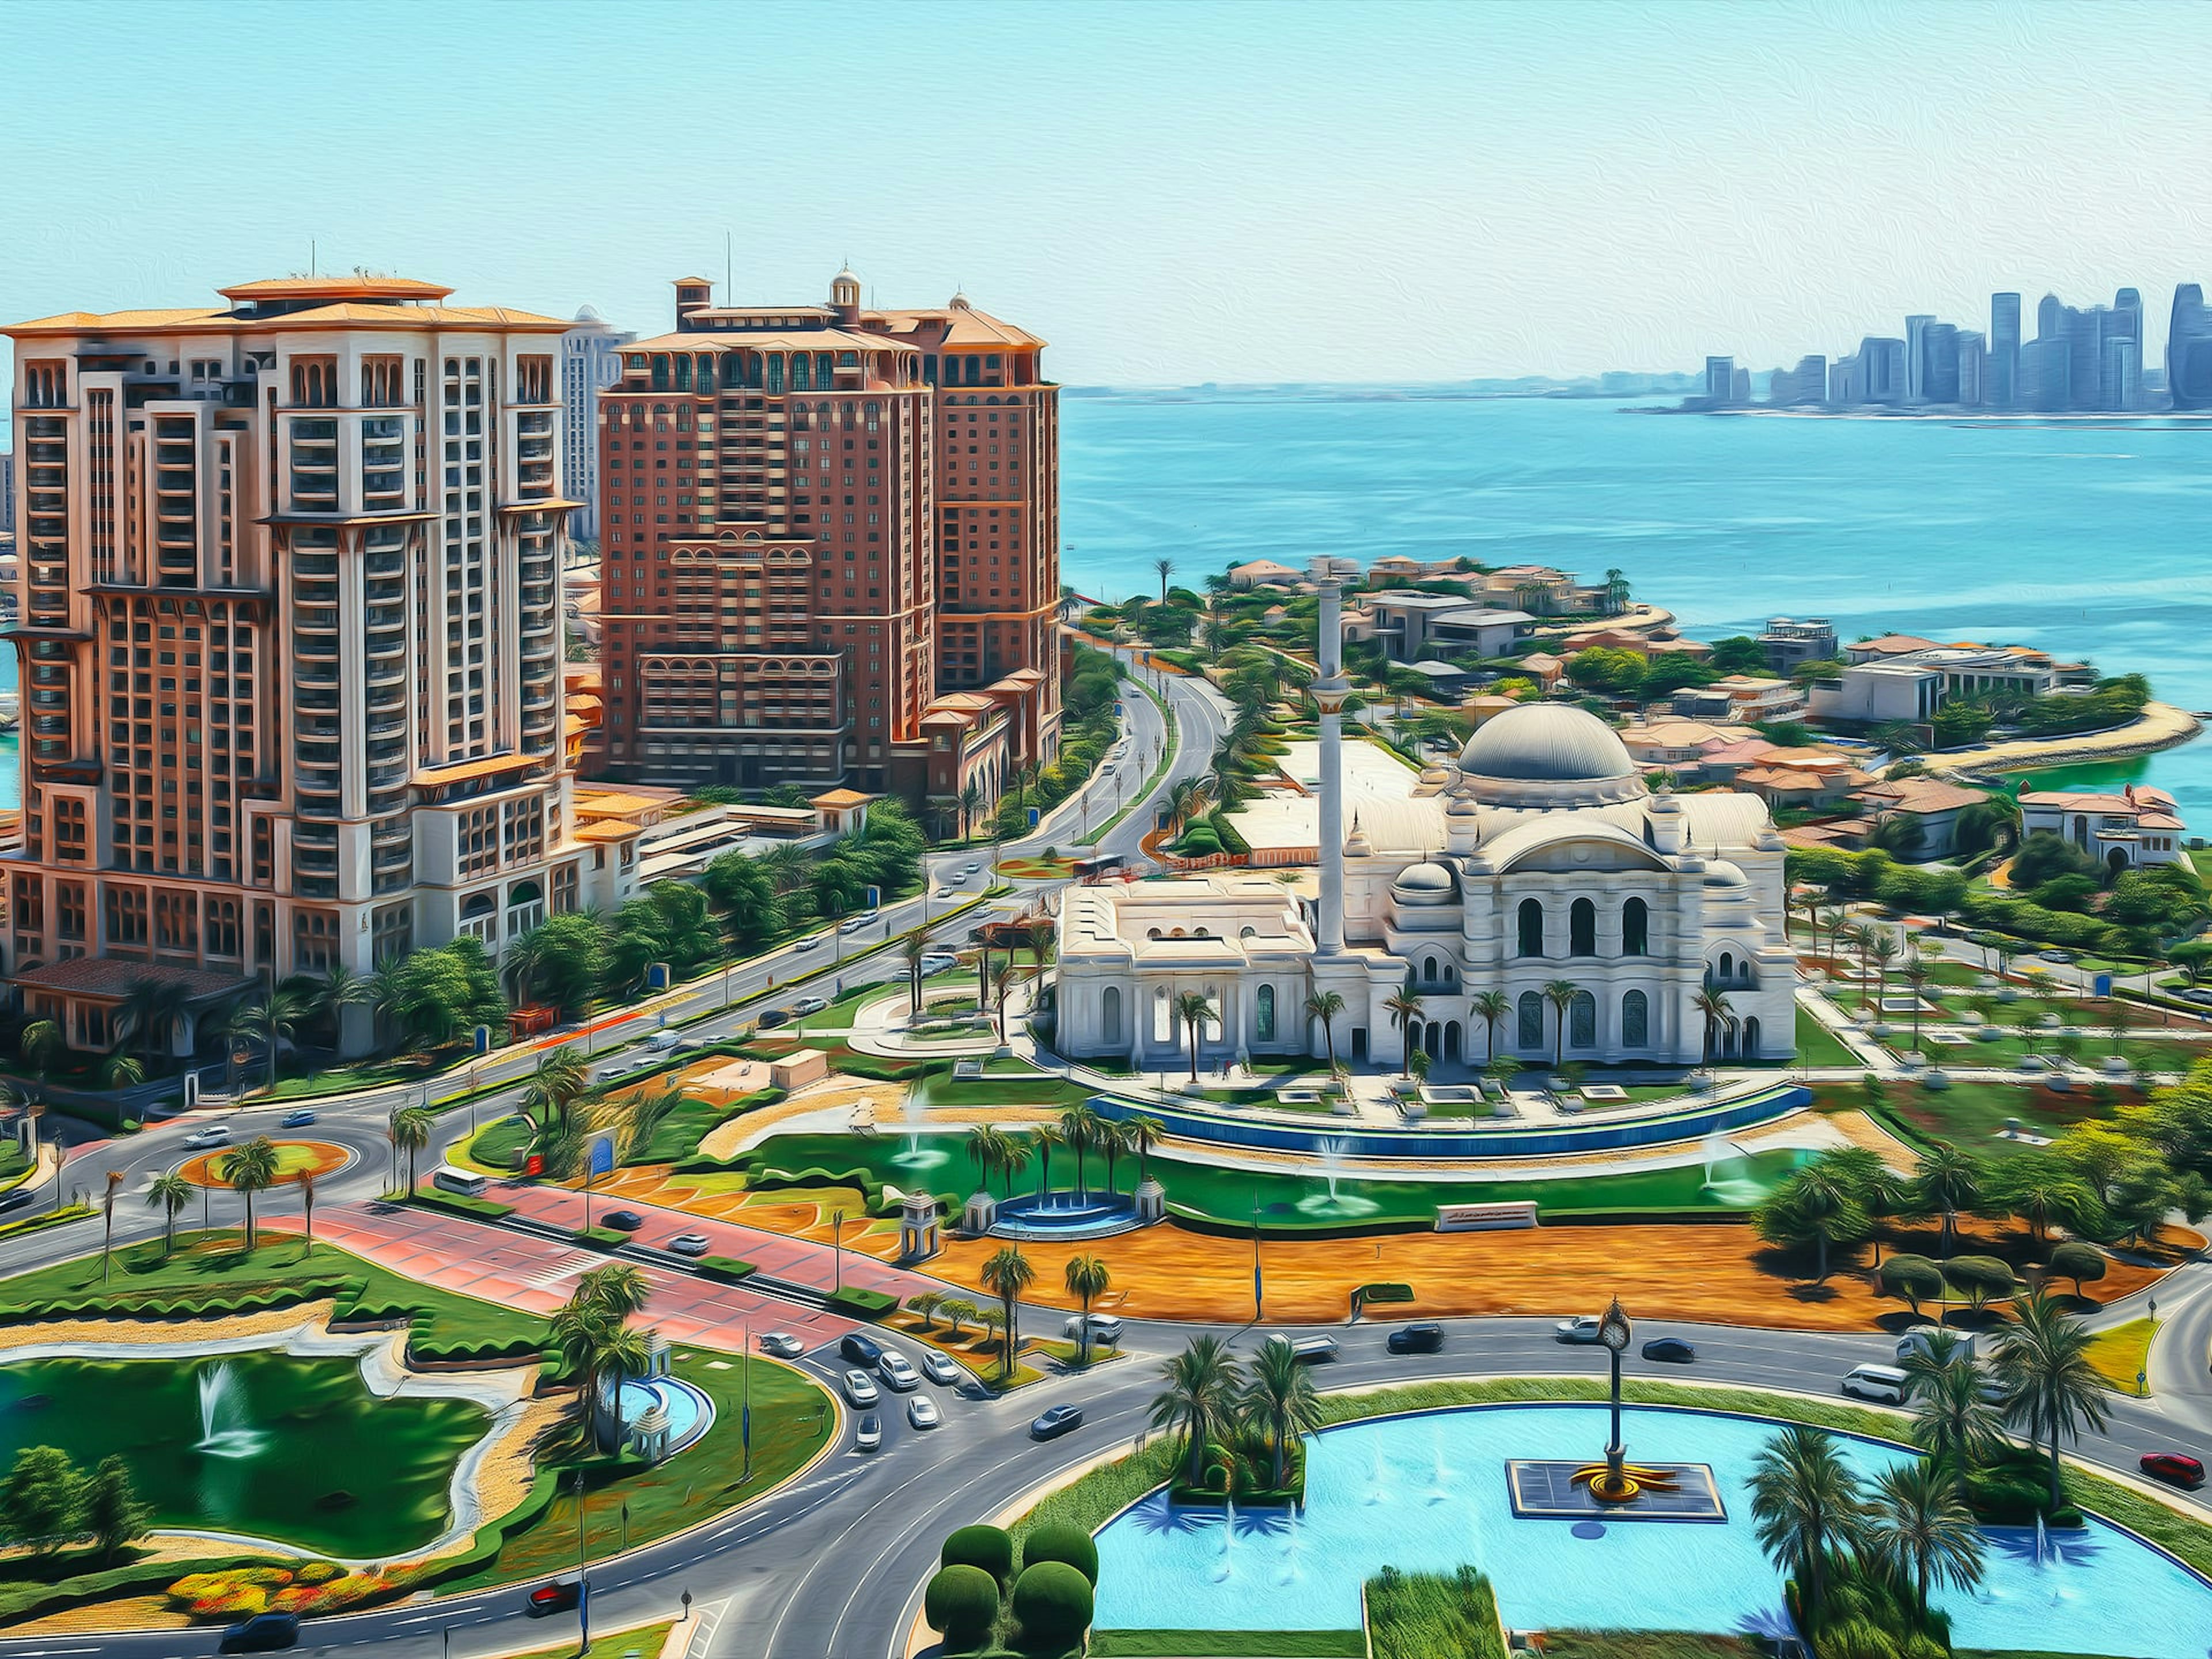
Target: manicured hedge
[471,1353]
[726,1268]
[1052,1604]
[52,1219]
[600,1238]
[986,1547]
[864,1305]
[250,1299]
[460,1204]
[962,1604]
[1068,1545]
[1371,1294]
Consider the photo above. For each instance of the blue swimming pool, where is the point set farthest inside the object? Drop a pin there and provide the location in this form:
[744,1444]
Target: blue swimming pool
[1427,1492]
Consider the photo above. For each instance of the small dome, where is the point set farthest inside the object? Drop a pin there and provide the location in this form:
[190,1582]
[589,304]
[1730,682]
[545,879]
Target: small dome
[1721,873]
[587,315]
[1430,878]
[959,302]
[1548,754]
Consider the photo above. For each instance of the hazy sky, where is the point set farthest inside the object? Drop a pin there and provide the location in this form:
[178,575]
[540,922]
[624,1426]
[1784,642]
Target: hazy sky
[1177,193]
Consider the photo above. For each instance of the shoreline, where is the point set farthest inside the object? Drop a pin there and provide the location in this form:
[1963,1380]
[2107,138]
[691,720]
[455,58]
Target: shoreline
[2160,727]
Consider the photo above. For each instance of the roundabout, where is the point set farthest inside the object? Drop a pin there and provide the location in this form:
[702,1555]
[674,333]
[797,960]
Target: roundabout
[319,1158]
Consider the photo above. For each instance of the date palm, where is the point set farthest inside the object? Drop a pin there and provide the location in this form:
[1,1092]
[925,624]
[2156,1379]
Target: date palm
[1404,1009]
[269,1019]
[1078,1132]
[2049,1387]
[557,1082]
[1165,568]
[1953,1421]
[1713,1008]
[108,1206]
[1145,1133]
[1561,995]
[306,1185]
[617,1289]
[1491,1007]
[411,1134]
[1007,1274]
[912,950]
[170,1192]
[1203,1383]
[1278,1393]
[1193,1011]
[1805,1506]
[1087,1278]
[1950,1180]
[986,1149]
[251,1169]
[1325,1007]
[1919,1521]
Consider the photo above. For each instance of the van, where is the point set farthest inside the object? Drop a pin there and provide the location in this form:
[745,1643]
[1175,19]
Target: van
[1311,1350]
[662,1042]
[1883,1384]
[466,1183]
[1916,1341]
[858,1350]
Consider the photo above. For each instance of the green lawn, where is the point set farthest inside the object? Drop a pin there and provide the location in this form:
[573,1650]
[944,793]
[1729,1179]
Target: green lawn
[1228,1645]
[644,1640]
[1818,1047]
[1971,1114]
[2119,1353]
[1646,1645]
[792,1420]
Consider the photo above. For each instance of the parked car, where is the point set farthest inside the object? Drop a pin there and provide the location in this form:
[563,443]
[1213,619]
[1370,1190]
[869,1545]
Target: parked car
[1669,1350]
[1313,1350]
[922,1411]
[1883,1384]
[898,1372]
[771,1018]
[1427,1337]
[296,1119]
[214,1136]
[857,923]
[1582,1328]
[1104,1327]
[622,1221]
[2175,1468]
[1056,1420]
[939,1368]
[556,1595]
[870,1435]
[690,1244]
[938,961]
[810,941]
[2059,957]
[781,1345]
[858,1350]
[265,1632]
[859,1390]
[807,1006]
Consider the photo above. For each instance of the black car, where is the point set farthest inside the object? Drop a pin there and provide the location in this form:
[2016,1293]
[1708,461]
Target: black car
[770,1019]
[1427,1337]
[622,1221]
[1669,1350]
[860,1351]
[265,1632]
[559,1595]
[1056,1421]
[26,1194]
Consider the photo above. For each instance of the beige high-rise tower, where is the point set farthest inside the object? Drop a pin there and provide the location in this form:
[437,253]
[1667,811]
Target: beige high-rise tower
[289,642]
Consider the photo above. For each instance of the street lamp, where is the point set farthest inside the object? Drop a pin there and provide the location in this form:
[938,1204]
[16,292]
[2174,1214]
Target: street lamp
[1615,1331]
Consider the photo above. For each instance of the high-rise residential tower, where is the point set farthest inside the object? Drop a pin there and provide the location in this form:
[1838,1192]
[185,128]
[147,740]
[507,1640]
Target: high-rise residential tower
[289,643]
[591,358]
[2002,388]
[2189,350]
[831,549]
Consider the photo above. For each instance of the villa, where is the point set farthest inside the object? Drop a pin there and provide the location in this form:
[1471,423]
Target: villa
[2139,826]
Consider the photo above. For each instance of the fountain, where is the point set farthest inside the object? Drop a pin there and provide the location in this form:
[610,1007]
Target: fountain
[1332,1151]
[1228,1538]
[1289,1574]
[1439,1490]
[1738,1189]
[913,1112]
[223,1429]
[1375,1491]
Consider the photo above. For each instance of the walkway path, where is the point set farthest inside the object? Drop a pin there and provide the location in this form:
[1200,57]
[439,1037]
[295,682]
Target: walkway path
[2161,725]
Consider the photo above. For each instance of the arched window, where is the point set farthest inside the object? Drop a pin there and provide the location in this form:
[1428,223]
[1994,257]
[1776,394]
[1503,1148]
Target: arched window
[1636,928]
[1530,1021]
[1582,928]
[1751,1038]
[1428,970]
[1635,1020]
[1109,1014]
[1264,1013]
[1582,1020]
[1531,927]
[1727,967]
[1213,1013]
[1163,1017]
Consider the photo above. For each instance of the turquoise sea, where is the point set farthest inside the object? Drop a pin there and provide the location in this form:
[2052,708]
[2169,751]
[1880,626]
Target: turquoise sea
[2087,540]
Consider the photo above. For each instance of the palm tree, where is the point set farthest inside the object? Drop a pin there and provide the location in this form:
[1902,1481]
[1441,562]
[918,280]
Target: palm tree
[1805,1502]
[1112,1140]
[1014,1157]
[306,1184]
[1822,1192]
[911,952]
[1950,1180]
[576,1331]
[121,1071]
[1918,971]
[1202,1385]
[252,1169]
[987,1148]
[1145,1133]
[971,803]
[1040,936]
[1921,1523]
[617,1289]
[1325,1007]
[1087,1278]
[1007,1274]
[1561,995]
[1078,1131]
[107,1204]
[1165,567]
[169,1191]
[150,1013]
[40,1044]
[1193,1010]
[1952,1420]
[1279,1391]
[271,1019]
[2043,1366]
[1491,1007]
[411,1132]
[1713,1006]
[1404,1009]
[558,1080]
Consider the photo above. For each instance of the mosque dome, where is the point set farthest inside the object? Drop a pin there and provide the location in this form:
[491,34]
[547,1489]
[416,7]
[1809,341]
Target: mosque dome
[1425,884]
[1721,873]
[1548,754]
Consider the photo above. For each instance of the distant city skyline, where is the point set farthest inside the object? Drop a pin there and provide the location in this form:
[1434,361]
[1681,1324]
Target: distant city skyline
[1169,195]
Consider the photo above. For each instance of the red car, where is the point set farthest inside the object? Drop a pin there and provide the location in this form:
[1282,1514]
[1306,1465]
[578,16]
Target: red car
[2173,1469]
[558,1596]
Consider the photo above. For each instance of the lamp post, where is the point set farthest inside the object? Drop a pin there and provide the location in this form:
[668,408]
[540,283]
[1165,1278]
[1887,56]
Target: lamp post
[2142,1372]
[1614,1330]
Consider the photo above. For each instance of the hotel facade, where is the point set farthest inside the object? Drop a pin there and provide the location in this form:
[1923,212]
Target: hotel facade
[830,543]
[289,644]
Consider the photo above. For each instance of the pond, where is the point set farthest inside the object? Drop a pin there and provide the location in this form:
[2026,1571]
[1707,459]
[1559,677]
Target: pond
[1427,1492]
[267,1444]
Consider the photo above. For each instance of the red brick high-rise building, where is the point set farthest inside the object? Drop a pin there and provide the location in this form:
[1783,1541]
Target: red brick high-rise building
[832,546]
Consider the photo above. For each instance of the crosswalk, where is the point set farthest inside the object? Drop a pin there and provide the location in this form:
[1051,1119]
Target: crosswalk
[562,1269]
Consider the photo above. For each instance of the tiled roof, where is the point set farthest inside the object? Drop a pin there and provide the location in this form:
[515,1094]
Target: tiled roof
[113,976]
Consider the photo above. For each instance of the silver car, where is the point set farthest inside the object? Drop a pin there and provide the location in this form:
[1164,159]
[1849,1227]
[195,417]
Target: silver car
[781,1345]
[939,1368]
[922,1411]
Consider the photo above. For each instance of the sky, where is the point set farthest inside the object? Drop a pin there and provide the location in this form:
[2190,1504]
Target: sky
[1169,193]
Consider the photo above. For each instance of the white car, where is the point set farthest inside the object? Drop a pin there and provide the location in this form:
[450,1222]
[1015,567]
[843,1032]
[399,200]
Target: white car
[870,1435]
[214,1136]
[856,924]
[1104,1327]
[1582,1329]
[939,1368]
[945,892]
[967,870]
[922,1411]
[807,1006]
[938,962]
[782,1344]
[859,1390]
[810,941]
[898,1372]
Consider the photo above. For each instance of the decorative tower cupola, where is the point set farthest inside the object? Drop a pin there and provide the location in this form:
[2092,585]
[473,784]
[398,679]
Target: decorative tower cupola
[845,297]
[1665,814]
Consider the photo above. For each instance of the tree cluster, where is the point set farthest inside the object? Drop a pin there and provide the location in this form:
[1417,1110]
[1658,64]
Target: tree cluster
[46,1501]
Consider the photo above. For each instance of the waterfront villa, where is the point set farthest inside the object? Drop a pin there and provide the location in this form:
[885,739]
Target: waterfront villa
[2139,826]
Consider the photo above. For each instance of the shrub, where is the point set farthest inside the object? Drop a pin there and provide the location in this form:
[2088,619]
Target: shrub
[2078,1261]
[726,1268]
[1914,1278]
[962,1604]
[862,1304]
[1978,1279]
[990,1548]
[461,1204]
[1060,1541]
[1052,1605]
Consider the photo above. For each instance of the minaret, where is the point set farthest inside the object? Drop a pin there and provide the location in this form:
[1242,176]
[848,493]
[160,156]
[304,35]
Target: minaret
[1328,690]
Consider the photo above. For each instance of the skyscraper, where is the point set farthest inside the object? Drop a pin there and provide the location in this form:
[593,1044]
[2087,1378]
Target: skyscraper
[289,643]
[1973,369]
[832,548]
[1915,358]
[1939,368]
[1720,379]
[591,358]
[2003,390]
[2189,350]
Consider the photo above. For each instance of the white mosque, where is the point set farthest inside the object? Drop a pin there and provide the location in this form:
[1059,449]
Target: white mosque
[1541,862]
